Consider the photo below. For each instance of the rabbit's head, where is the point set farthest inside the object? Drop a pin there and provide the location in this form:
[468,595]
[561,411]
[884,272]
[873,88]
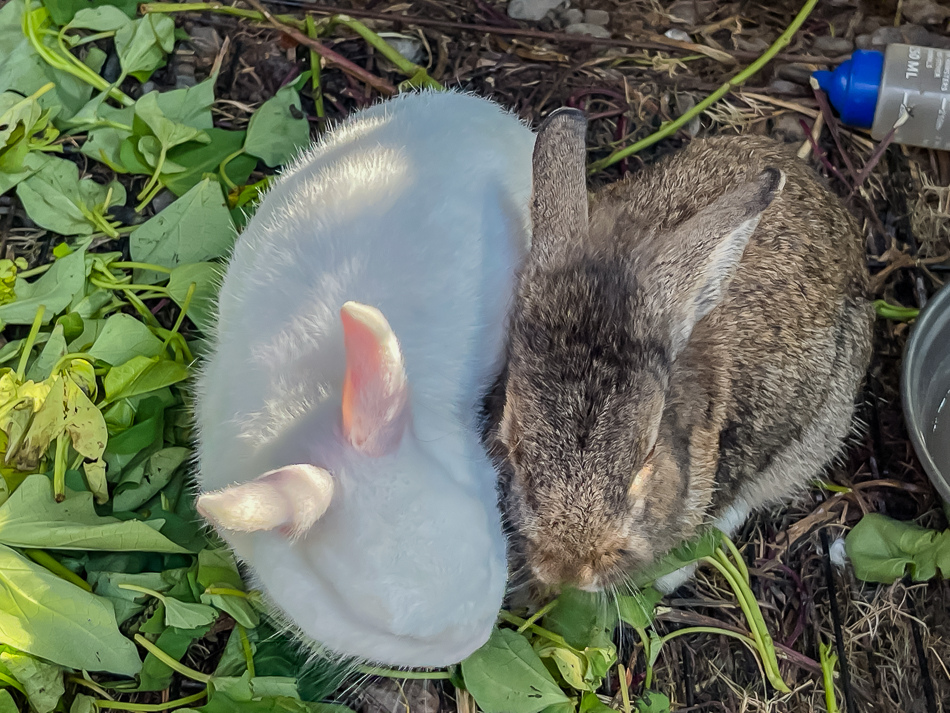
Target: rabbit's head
[596,487]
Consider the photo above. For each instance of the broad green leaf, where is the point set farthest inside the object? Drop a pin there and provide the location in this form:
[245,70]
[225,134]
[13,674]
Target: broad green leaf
[186,615]
[506,676]
[55,348]
[122,338]
[638,610]
[143,44]
[168,132]
[191,106]
[200,159]
[653,702]
[66,626]
[54,289]
[704,545]
[882,550]
[158,470]
[140,375]
[590,703]
[169,238]
[127,603]
[582,618]
[23,70]
[33,163]
[206,276]
[83,704]
[24,127]
[7,705]
[100,17]
[42,681]
[55,198]
[570,664]
[63,11]
[216,568]
[565,707]
[279,130]
[32,518]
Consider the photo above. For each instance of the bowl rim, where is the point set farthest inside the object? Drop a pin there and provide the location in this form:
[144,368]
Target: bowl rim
[924,323]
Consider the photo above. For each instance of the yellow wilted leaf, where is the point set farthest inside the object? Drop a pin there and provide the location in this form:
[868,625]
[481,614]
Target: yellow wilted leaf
[84,423]
[49,421]
[96,480]
[84,375]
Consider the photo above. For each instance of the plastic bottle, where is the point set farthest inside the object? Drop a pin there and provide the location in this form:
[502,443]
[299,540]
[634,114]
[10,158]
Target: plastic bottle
[905,86]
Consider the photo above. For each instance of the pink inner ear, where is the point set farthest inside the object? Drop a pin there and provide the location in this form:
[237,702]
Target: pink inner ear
[375,392]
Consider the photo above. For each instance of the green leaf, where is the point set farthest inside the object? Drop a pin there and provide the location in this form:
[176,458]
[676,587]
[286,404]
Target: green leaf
[54,289]
[506,676]
[122,338]
[67,625]
[54,349]
[24,71]
[55,198]
[33,163]
[63,11]
[43,682]
[279,130]
[139,375]
[127,603]
[590,703]
[168,239]
[186,615]
[159,469]
[143,44]
[200,159]
[90,16]
[705,545]
[882,549]
[206,276]
[216,568]
[653,702]
[32,518]
[22,121]
[638,610]
[7,704]
[83,704]
[169,132]
[582,618]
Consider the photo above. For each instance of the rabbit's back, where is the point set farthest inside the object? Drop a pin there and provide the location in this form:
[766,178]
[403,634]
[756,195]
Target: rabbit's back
[779,359]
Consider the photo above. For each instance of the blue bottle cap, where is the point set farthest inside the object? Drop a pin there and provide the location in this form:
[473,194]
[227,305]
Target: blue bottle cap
[853,87]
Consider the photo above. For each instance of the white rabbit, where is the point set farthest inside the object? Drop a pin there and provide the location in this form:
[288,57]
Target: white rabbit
[361,320]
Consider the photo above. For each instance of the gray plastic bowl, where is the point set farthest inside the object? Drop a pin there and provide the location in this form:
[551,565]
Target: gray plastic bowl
[925,381]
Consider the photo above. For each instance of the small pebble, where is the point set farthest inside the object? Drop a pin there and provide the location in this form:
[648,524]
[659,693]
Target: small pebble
[832,46]
[532,10]
[795,72]
[572,16]
[752,44]
[161,201]
[597,17]
[410,48]
[675,33]
[907,34]
[925,12]
[684,10]
[782,86]
[584,28]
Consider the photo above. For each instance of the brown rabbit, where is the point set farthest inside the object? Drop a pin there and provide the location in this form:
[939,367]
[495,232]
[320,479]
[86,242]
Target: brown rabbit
[687,353]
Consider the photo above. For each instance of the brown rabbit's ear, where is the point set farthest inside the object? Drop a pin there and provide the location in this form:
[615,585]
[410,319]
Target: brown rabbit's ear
[703,253]
[559,196]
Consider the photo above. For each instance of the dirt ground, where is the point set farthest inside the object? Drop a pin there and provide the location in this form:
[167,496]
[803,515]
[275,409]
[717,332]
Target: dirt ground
[895,639]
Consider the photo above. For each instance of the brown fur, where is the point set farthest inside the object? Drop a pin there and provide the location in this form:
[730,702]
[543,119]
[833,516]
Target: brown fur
[606,361]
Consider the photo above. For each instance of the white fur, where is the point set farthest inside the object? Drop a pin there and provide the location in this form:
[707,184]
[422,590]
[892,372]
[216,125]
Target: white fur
[418,207]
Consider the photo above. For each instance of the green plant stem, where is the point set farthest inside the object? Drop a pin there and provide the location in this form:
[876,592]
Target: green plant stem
[624,691]
[59,469]
[44,559]
[35,271]
[171,7]
[518,621]
[128,287]
[227,592]
[315,66]
[80,681]
[737,556]
[828,661]
[140,266]
[537,615]
[407,675]
[12,682]
[647,644]
[172,663]
[710,630]
[151,707]
[738,80]
[418,76]
[28,344]
[186,303]
[224,164]
[898,313]
[246,647]
[156,189]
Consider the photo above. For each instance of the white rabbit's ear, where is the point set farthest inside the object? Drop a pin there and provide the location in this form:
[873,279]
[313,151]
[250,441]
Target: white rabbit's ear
[290,499]
[375,389]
